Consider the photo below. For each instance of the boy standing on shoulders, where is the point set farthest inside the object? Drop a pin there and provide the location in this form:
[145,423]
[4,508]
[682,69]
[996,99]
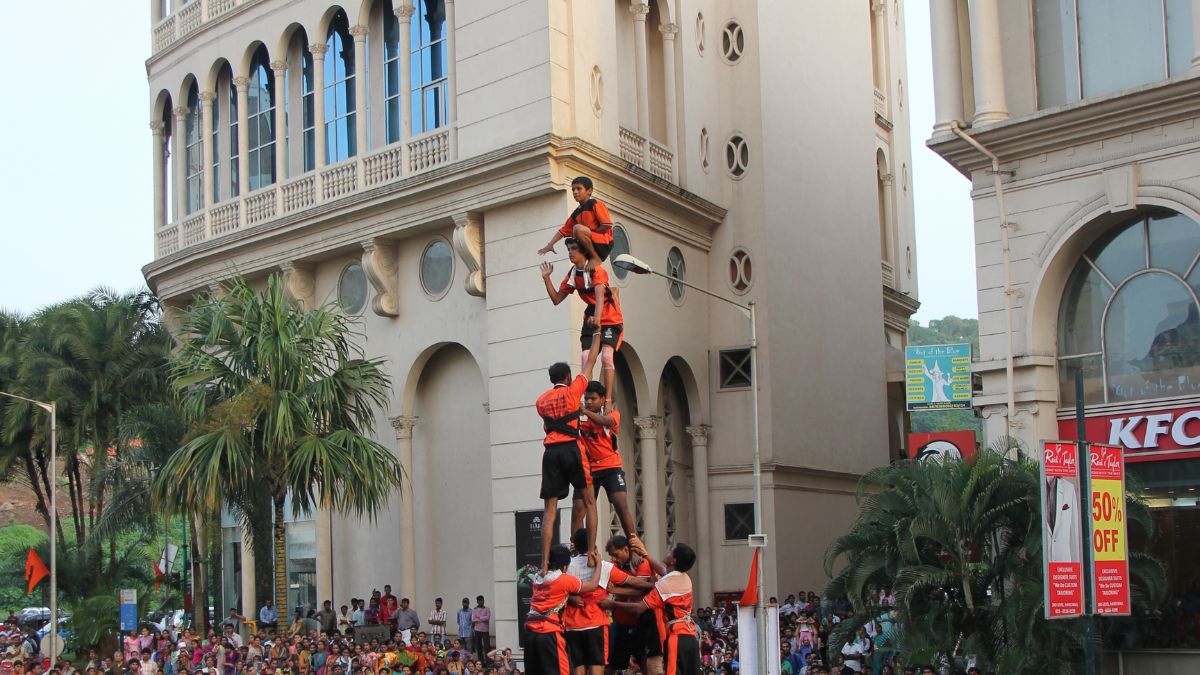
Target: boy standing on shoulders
[590,224]
[598,434]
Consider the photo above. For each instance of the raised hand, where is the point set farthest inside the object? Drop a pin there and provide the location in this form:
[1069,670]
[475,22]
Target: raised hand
[549,248]
[547,269]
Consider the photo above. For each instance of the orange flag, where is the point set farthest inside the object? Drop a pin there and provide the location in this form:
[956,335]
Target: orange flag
[750,596]
[158,576]
[35,570]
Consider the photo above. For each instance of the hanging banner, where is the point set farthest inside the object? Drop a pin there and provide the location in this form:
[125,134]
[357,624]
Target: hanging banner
[1110,555]
[529,561]
[937,377]
[1062,545]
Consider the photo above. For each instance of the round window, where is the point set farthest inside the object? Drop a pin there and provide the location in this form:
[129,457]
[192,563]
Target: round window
[620,245]
[737,155]
[352,289]
[676,269]
[733,42]
[437,268]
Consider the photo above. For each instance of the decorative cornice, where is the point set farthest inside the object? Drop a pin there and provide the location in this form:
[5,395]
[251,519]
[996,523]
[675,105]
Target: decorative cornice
[468,243]
[403,425]
[647,427]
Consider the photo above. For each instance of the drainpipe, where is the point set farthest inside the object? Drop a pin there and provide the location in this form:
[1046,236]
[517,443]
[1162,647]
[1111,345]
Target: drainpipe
[1005,226]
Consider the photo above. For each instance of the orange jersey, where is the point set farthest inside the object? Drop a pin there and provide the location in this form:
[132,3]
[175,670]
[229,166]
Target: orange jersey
[600,443]
[671,600]
[590,615]
[549,596]
[559,408]
[642,569]
[592,214]
[584,282]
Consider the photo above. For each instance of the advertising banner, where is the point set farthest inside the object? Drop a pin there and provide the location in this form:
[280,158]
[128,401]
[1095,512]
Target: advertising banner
[1062,546]
[937,377]
[529,561]
[1145,434]
[129,618]
[939,445]
[1110,555]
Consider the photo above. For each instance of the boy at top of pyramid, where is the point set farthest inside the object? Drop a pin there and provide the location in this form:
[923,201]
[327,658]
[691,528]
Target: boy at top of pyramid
[602,317]
[590,224]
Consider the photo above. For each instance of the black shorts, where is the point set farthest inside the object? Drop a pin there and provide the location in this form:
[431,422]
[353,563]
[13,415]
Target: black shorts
[625,643]
[562,469]
[611,480]
[602,250]
[609,335]
[546,654]
[648,632]
[683,655]
[588,647]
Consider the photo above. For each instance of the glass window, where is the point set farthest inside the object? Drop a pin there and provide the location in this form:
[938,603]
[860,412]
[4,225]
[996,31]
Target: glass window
[620,245]
[216,150]
[676,268]
[739,521]
[437,268]
[1129,318]
[233,141]
[340,105]
[193,155]
[309,120]
[261,120]
[352,289]
[391,75]
[735,368]
[429,85]
[1094,47]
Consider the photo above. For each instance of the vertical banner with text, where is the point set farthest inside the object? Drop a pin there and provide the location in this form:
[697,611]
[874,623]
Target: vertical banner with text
[529,562]
[1062,545]
[1110,555]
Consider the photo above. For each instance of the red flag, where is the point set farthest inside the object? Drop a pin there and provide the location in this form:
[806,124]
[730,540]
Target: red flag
[35,570]
[750,596]
[158,576]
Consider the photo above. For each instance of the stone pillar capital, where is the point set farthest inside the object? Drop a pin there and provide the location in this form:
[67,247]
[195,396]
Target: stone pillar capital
[647,427]
[318,49]
[207,97]
[242,83]
[404,12]
[157,127]
[669,31]
[359,33]
[639,10]
[403,425]
[279,66]
[181,112]
[699,433]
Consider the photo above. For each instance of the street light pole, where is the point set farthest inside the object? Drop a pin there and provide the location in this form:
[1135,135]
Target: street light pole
[51,408]
[759,538]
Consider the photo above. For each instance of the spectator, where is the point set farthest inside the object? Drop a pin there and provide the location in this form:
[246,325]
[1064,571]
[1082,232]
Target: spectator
[481,618]
[268,617]
[327,618]
[406,620]
[466,629]
[437,621]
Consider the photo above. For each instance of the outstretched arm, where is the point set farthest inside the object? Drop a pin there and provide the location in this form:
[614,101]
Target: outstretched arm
[599,418]
[631,607]
[556,296]
[549,248]
[589,366]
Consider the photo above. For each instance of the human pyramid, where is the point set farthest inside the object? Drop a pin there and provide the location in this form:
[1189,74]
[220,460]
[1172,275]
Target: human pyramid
[568,627]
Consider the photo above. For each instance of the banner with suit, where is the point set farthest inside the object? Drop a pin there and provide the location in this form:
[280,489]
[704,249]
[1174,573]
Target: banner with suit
[1062,522]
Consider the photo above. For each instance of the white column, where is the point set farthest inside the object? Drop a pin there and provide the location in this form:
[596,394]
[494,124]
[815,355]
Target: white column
[207,100]
[699,434]
[318,53]
[639,10]
[281,137]
[881,57]
[987,61]
[408,541]
[669,31]
[404,15]
[652,534]
[1196,36]
[360,94]
[179,150]
[243,139]
[248,600]
[158,160]
[947,75]
[451,80]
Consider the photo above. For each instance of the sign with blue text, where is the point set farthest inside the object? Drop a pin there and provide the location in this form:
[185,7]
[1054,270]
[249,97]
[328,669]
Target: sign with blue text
[129,618]
[937,377]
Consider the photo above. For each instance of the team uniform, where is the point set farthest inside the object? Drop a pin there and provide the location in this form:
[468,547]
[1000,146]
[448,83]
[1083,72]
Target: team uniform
[584,282]
[603,458]
[562,460]
[587,626]
[633,635]
[671,600]
[592,214]
[545,647]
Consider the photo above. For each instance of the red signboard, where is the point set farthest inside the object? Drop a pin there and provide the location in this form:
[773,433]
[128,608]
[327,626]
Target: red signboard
[1145,435]
[941,444]
[1062,519]
[1110,555]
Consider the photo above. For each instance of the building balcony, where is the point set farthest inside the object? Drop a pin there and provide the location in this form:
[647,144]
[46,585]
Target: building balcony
[646,154]
[188,18]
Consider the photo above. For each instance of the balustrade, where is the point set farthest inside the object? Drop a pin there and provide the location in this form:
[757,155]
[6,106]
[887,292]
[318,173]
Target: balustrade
[300,193]
[339,180]
[428,151]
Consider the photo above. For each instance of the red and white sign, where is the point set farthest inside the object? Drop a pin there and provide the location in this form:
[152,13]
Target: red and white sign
[941,444]
[1062,520]
[1145,435]
[1110,555]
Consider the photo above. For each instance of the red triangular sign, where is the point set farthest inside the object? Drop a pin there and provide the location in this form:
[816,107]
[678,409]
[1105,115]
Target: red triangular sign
[158,576]
[750,596]
[35,571]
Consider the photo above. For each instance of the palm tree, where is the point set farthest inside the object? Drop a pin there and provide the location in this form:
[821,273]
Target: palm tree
[279,400]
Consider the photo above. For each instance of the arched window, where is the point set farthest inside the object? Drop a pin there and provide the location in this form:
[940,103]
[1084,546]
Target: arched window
[310,114]
[1129,316]
[193,154]
[261,119]
[339,91]
[167,167]
[391,75]
[234,170]
[430,89]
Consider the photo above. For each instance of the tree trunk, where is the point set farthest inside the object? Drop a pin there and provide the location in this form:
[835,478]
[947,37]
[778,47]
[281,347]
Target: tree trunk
[281,599]
[42,505]
[199,576]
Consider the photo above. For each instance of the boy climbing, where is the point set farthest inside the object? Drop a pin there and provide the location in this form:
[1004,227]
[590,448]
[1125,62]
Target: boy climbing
[590,224]
[598,435]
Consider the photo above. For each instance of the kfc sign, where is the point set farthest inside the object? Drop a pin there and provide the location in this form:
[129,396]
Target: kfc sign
[1159,434]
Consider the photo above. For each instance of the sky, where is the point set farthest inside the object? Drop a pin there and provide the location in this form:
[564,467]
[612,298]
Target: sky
[76,187]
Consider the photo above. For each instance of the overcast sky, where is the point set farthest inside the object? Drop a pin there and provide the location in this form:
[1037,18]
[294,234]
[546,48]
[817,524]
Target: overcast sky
[75,184]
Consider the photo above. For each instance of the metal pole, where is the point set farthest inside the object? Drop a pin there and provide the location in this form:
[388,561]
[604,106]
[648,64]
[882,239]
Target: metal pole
[760,607]
[1085,487]
[53,408]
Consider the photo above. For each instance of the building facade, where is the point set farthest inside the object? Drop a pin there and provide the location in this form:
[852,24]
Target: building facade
[1087,245]
[408,158]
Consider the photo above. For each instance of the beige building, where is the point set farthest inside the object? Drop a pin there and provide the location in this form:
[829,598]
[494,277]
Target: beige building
[1087,245]
[408,158]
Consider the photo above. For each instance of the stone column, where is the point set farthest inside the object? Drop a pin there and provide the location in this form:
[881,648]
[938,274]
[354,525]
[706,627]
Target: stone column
[947,75]
[880,56]
[179,149]
[639,10]
[451,80]
[699,434]
[360,95]
[318,54]
[158,160]
[669,31]
[248,610]
[281,136]
[207,101]
[987,58]
[408,554]
[243,139]
[1196,36]
[404,15]
[652,530]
